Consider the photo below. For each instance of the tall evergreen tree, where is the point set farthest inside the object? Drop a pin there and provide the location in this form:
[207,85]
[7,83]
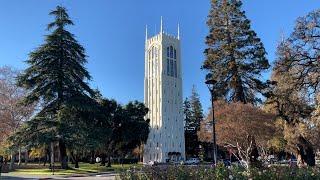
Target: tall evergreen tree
[129,129]
[197,112]
[193,116]
[190,131]
[56,77]
[235,55]
[187,115]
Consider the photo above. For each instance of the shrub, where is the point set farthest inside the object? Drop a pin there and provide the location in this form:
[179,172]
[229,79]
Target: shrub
[204,172]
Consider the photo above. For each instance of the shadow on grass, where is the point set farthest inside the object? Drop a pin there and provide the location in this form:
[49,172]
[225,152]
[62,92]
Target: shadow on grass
[12,177]
[85,168]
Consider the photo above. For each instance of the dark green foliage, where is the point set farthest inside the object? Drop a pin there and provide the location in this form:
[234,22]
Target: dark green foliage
[190,132]
[193,116]
[128,127]
[197,112]
[235,55]
[188,115]
[206,172]
[56,70]
[57,79]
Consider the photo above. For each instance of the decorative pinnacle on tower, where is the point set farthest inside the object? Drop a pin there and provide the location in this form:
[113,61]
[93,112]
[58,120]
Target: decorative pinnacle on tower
[146,33]
[162,30]
[161,26]
[178,31]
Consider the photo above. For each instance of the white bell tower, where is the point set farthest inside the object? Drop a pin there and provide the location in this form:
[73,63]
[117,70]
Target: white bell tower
[163,97]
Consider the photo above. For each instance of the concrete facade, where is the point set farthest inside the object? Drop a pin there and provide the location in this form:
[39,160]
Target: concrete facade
[163,97]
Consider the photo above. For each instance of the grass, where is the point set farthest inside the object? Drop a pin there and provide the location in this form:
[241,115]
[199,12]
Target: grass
[85,168]
[115,167]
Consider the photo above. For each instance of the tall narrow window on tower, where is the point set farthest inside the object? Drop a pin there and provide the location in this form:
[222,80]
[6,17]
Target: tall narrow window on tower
[171,62]
[171,67]
[175,68]
[168,67]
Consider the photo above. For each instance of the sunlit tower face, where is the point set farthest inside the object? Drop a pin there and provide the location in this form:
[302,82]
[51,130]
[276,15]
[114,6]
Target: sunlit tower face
[163,97]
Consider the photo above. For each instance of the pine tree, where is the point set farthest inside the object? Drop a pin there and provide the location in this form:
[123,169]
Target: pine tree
[56,77]
[190,129]
[187,114]
[193,117]
[235,55]
[197,112]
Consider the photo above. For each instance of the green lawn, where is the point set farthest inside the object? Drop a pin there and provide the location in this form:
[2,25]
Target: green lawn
[34,169]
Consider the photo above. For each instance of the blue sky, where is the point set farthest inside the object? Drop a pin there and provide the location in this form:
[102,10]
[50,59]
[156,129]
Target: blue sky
[112,31]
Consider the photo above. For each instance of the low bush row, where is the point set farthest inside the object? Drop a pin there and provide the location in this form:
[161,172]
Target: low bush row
[220,172]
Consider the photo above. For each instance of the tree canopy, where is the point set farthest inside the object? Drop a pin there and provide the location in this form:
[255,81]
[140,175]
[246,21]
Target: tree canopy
[193,116]
[235,55]
[57,79]
[296,86]
[241,128]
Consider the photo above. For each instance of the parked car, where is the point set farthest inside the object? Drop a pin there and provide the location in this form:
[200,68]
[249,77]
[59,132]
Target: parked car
[192,161]
[180,162]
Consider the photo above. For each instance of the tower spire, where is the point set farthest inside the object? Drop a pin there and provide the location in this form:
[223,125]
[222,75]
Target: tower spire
[161,26]
[146,32]
[178,31]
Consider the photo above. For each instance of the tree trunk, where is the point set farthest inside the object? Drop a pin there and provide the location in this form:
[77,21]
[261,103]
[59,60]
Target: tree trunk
[76,163]
[52,156]
[45,161]
[92,159]
[139,151]
[19,156]
[63,155]
[75,160]
[103,159]
[26,157]
[305,151]
[47,157]
[11,166]
[254,153]
[109,161]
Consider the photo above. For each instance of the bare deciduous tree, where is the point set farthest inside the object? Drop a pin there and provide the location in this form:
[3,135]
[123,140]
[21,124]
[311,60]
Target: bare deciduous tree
[242,127]
[12,113]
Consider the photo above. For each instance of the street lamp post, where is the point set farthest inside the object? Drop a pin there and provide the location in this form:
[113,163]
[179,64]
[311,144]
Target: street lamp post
[52,157]
[210,82]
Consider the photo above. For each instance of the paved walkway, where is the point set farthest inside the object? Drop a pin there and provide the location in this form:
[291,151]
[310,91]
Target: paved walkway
[107,176]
